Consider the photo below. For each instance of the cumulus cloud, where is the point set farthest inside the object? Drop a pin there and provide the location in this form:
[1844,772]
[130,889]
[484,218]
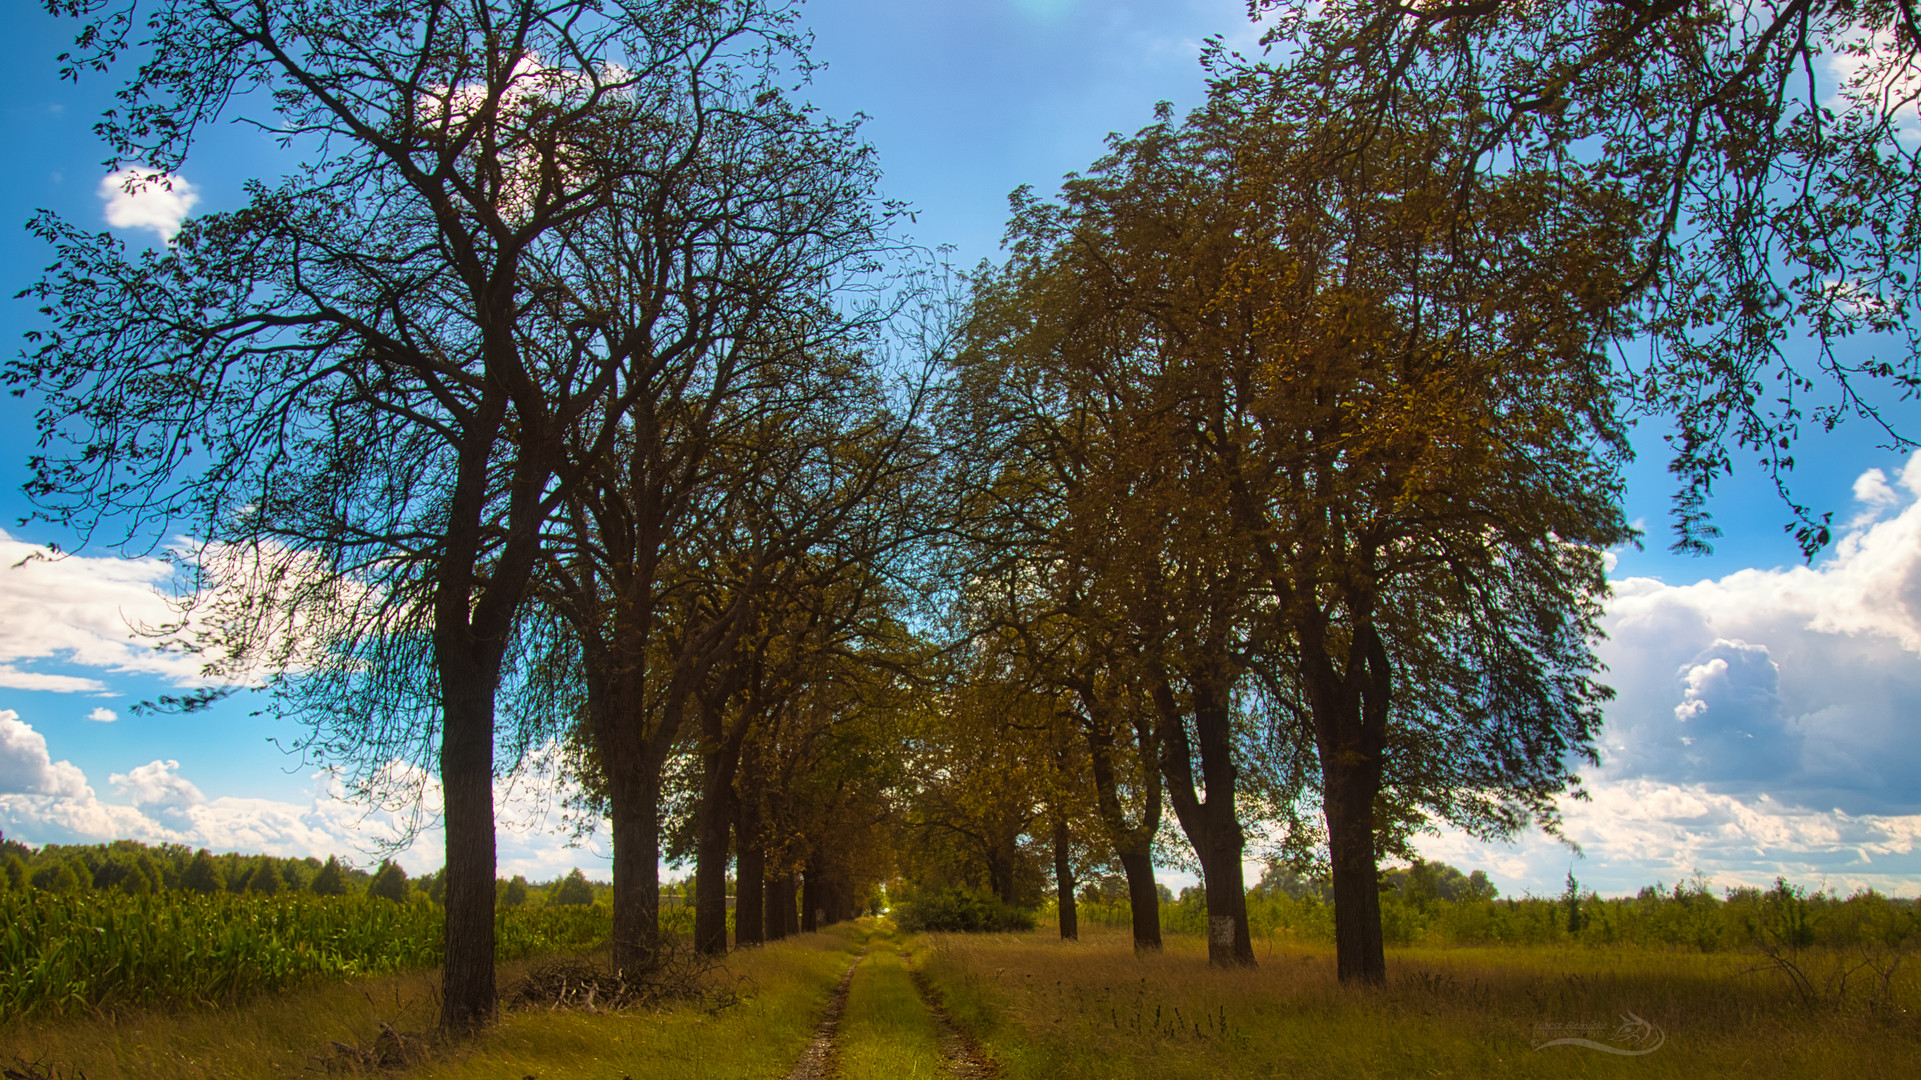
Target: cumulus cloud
[1765,725]
[1639,832]
[27,769]
[103,716]
[85,611]
[1793,683]
[157,783]
[45,801]
[136,197]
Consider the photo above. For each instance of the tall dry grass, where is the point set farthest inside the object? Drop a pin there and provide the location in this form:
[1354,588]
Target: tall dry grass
[1093,1009]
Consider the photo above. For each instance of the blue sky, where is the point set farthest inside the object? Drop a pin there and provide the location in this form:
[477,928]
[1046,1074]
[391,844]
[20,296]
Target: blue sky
[1766,715]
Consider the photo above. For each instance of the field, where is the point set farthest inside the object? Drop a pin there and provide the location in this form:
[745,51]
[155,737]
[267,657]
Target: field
[1045,1008]
[1034,1007]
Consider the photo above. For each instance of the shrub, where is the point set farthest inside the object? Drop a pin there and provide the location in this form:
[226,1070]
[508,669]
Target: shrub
[960,911]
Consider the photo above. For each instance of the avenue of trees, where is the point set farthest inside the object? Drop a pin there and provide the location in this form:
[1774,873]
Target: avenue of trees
[578,402]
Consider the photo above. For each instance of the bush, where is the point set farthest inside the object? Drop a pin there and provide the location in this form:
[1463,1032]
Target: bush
[960,911]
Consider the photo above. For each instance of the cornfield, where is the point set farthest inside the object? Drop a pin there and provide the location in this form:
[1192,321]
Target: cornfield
[64,953]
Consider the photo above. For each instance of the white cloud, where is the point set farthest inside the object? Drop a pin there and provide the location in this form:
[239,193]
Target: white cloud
[45,801]
[139,198]
[1638,832]
[27,769]
[1871,74]
[1796,683]
[15,679]
[157,783]
[85,611]
[103,716]
[1871,487]
[1765,725]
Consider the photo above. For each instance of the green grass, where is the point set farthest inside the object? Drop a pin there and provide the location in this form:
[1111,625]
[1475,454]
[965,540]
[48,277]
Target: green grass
[1052,1009]
[886,1033]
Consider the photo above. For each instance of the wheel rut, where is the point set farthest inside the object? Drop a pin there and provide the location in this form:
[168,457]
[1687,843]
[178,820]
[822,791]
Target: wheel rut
[817,1061]
[963,1056]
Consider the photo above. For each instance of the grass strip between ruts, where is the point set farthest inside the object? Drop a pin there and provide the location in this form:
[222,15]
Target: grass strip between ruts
[886,1032]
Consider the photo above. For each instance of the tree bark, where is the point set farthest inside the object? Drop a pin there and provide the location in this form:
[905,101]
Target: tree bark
[472,622]
[1349,806]
[1212,824]
[1350,708]
[750,871]
[713,824]
[1064,883]
[1143,896]
[776,926]
[466,776]
[783,905]
[1133,844]
[810,898]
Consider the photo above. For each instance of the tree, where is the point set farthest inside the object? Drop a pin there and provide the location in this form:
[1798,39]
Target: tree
[389,883]
[203,874]
[1768,147]
[331,880]
[515,894]
[573,891]
[265,878]
[1368,479]
[367,391]
[723,296]
[60,878]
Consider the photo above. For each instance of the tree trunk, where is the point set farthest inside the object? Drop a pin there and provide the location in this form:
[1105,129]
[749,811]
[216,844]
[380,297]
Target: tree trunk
[1133,844]
[1349,807]
[1064,883]
[634,809]
[1350,708]
[710,884]
[784,896]
[1001,866]
[1212,825]
[810,899]
[776,926]
[750,869]
[1229,943]
[468,996]
[1143,897]
[1357,894]
[713,823]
